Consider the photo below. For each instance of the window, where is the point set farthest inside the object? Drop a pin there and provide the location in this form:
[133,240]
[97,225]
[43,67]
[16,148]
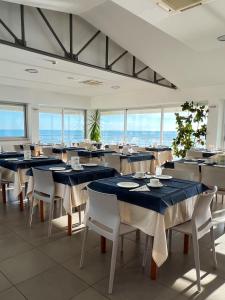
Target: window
[50,125]
[169,125]
[57,125]
[13,120]
[143,126]
[73,126]
[112,127]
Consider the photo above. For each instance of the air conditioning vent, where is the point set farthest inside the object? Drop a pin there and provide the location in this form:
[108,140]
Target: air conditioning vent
[92,82]
[179,5]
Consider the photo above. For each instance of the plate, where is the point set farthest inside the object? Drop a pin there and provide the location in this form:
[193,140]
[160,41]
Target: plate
[164,177]
[128,184]
[57,169]
[154,185]
[90,165]
[146,176]
[12,159]
[190,162]
[40,157]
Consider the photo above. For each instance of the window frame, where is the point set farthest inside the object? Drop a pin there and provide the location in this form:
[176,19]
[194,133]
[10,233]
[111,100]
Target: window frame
[25,121]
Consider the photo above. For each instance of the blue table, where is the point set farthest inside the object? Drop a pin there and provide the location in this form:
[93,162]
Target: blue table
[158,149]
[65,149]
[4,155]
[137,157]
[157,199]
[94,153]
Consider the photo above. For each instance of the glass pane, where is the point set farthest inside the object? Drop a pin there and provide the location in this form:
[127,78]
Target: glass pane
[112,127]
[143,126]
[73,126]
[50,126]
[12,121]
[169,125]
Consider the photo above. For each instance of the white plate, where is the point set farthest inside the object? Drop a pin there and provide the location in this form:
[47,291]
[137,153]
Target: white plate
[78,169]
[40,157]
[12,159]
[155,185]
[164,177]
[66,171]
[57,169]
[146,176]
[128,184]
[90,165]
[190,162]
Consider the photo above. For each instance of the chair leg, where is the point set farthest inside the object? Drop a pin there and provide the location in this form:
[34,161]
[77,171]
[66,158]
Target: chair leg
[79,212]
[122,243]
[197,261]
[83,247]
[51,210]
[31,211]
[61,207]
[213,246]
[3,193]
[113,265]
[186,243]
[222,198]
[145,254]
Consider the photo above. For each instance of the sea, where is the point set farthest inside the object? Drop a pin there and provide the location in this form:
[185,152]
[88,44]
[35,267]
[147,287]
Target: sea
[141,138]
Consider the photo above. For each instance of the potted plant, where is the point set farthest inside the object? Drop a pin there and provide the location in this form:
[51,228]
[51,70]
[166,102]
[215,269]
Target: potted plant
[191,128]
[94,126]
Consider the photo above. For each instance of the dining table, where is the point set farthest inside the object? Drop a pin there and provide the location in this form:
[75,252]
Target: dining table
[162,154]
[152,210]
[11,154]
[71,184]
[14,170]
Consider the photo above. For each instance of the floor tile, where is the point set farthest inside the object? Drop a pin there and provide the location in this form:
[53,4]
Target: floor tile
[4,283]
[54,284]
[89,294]
[11,294]
[24,266]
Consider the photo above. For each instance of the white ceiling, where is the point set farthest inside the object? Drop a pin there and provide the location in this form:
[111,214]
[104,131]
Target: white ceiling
[182,47]
[54,77]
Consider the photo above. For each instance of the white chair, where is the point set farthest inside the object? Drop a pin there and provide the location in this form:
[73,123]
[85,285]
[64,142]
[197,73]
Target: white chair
[44,190]
[103,217]
[8,148]
[189,168]
[113,161]
[70,154]
[200,224]
[48,151]
[178,174]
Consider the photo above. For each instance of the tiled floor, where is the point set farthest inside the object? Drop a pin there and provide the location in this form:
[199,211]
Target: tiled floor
[35,267]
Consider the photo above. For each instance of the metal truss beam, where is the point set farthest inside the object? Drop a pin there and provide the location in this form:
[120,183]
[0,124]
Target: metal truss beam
[69,55]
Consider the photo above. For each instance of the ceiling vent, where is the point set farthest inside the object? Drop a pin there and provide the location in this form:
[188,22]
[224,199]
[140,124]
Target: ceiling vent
[179,5]
[92,82]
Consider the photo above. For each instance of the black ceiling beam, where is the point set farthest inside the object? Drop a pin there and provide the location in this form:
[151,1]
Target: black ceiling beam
[106,52]
[118,58]
[134,66]
[68,59]
[142,70]
[160,79]
[23,40]
[86,44]
[71,34]
[17,40]
[52,31]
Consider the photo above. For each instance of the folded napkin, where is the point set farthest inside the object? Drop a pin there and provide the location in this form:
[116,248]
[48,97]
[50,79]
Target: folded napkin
[219,166]
[143,188]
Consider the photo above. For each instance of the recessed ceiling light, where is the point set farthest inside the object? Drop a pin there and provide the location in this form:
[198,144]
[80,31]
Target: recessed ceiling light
[92,82]
[221,38]
[33,71]
[52,61]
[115,87]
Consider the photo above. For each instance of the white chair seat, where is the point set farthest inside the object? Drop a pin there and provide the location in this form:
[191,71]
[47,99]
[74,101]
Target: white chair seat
[184,228]
[125,229]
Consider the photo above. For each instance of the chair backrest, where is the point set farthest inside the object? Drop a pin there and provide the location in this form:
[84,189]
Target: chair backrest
[189,168]
[43,182]
[113,161]
[178,174]
[8,148]
[102,213]
[201,217]
[71,154]
[212,175]
[194,154]
[48,151]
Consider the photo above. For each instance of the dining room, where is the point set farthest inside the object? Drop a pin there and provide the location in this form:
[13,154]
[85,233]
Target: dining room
[112,150]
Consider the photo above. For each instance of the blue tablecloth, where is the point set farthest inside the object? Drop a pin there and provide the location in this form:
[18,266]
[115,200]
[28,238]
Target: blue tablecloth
[25,164]
[78,177]
[32,147]
[157,199]
[95,153]
[208,154]
[64,149]
[158,149]
[4,155]
[138,157]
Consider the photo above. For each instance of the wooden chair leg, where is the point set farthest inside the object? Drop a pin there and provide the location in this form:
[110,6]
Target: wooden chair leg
[103,244]
[21,201]
[42,211]
[3,193]
[186,243]
[69,230]
[154,269]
